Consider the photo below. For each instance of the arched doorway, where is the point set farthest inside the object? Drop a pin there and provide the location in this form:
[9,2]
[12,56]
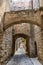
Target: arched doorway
[15,37]
[20,46]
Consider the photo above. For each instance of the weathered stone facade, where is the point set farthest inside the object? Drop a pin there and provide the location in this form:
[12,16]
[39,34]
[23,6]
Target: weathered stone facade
[7,43]
[22,28]
[38,39]
[5,46]
[6,36]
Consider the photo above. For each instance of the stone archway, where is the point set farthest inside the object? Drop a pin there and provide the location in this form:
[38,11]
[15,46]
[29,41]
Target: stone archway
[9,21]
[27,42]
[23,16]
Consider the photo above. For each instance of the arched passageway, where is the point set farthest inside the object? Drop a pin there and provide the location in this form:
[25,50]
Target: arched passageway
[20,46]
[17,17]
[26,37]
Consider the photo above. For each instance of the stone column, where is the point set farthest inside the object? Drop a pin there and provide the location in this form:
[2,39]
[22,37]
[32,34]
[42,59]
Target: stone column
[32,53]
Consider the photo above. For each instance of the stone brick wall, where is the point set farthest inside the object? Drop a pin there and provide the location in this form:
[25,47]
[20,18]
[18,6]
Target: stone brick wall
[4,8]
[41,3]
[25,29]
[1,49]
[38,40]
[41,54]
[7,44]
[22,28]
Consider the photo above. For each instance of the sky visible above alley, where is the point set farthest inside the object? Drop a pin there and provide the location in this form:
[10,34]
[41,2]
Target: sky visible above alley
[24,4]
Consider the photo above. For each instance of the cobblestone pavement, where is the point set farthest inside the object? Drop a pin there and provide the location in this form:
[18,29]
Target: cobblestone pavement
[21,60]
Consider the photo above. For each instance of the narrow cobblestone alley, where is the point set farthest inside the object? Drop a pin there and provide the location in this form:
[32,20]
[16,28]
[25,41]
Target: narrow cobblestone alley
[21,32]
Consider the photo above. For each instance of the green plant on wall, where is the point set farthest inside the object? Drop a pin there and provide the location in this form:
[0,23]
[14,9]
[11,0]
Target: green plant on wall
[23,40]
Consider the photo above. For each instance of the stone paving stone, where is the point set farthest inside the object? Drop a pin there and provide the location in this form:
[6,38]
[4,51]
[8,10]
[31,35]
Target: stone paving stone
[21,60]
[35,61]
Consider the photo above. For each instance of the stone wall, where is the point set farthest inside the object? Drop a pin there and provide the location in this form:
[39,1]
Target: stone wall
[4,7]
[41,3]
[38,41]
[25,28]
[7,44]
[22,28]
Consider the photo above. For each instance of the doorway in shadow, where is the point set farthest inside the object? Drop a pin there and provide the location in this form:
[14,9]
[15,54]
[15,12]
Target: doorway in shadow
[35,44]
[24,43]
